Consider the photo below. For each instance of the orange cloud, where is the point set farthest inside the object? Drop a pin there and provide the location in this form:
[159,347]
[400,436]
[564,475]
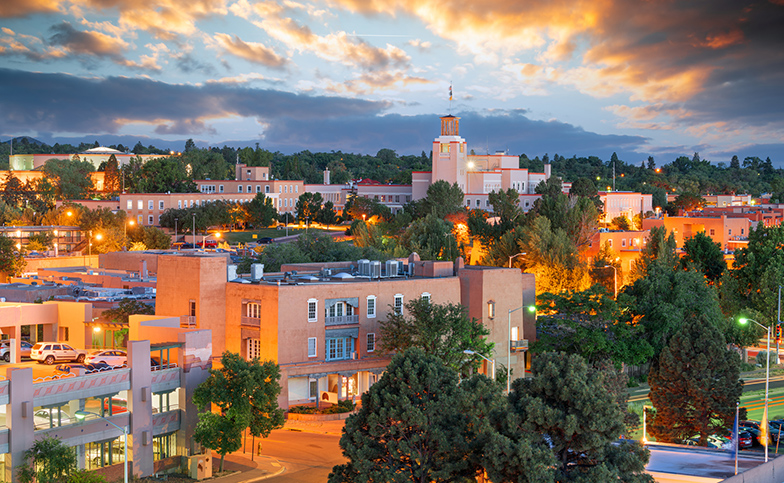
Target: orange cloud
[250,51]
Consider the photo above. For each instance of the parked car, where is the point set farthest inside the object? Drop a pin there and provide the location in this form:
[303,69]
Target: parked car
[113,357]
[265,240]
[208,244]
[5,353]
[745,439]
[51,352]
[88,368]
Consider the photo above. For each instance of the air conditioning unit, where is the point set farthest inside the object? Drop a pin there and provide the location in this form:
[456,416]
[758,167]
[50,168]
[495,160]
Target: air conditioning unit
[391,267]
[256,271]
[375,269]
[364,267]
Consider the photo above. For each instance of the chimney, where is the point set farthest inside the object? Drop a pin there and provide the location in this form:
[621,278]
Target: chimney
[326,176]
[547,170]
[143,271]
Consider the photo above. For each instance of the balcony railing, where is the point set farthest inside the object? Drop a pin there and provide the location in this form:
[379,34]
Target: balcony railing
[519,345]
[187,321]
[341,320]
[251,321]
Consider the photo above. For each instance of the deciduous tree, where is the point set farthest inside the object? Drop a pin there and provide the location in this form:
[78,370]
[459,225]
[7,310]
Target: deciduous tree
[49,460]
[246,396]
[261,211]
[441,330]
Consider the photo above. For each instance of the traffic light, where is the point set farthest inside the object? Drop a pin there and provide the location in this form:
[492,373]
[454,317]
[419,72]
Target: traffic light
[778,332]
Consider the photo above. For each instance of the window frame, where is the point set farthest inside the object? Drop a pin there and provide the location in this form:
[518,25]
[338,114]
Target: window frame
[314,318]
[371,342]
[371,314]
[398,309]
[314,353]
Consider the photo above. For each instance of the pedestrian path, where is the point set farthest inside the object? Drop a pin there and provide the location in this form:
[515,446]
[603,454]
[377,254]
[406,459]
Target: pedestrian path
[247,468]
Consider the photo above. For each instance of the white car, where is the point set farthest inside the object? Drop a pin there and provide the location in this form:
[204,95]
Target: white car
[113,357]
[51,352]
[5,354]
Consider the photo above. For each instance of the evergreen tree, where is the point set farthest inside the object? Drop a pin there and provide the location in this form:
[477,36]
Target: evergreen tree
[567,402]
[695,384]
[261,212]
[418,423]
[704,255]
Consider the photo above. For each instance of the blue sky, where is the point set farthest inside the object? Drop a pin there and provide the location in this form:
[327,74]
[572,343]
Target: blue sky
[568,77]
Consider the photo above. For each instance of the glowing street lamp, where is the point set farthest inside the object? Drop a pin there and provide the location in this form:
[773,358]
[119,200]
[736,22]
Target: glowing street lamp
[491,361]
[515,255]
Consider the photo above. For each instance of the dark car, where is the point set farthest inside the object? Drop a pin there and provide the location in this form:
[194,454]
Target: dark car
[88,367]
[265,240]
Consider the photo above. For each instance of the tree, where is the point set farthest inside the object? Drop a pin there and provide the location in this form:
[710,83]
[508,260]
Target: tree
[591,324]
[112,178]
[431,237]
[308,206]
[125,309]
[567,402]
[443,199]
[261,211]
[11,262]
[49,460]
[418,423]
[441,330]
[689,201]
[704,255]
[71,177]
[246,396]
[621,223]
[695,384]
[659,248]
[327,215]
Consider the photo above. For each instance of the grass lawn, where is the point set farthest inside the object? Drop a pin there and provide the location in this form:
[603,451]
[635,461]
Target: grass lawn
[234,237]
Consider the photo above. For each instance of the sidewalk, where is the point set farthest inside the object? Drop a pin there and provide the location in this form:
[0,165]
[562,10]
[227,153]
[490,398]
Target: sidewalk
[247,469]
[334,428]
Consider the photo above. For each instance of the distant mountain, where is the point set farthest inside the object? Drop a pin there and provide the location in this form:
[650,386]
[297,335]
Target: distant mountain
[24,140]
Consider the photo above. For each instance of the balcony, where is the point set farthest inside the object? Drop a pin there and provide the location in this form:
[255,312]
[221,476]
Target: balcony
[341,320]
[250,321]
[519,345]
[188,321]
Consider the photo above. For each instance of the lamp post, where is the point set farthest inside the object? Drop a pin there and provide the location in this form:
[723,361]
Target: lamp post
[491,361]
[19,243]
[194,230]
[513,256]
[509,349]
[125,232]
[615,279]
[83,414]
[90,244]
[175,229]
[55,243]
[744,321]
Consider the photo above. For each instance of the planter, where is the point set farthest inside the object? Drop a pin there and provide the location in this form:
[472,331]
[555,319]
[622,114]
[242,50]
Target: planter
[318,417]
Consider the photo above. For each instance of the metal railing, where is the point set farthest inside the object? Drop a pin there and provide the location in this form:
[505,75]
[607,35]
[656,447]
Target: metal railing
[252,321]
[341,320]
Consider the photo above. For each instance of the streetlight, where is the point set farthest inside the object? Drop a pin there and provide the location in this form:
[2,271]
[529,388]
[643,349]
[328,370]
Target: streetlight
[55,243]
[615,278]
[513,256]
[492,361]
[194,229]
[81,415]
[744,321]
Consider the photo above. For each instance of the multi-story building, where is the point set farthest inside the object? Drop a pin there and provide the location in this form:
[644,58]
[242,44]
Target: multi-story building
[321,322]
[150,406]
[731,233]
[96,156]
[624,203]
[251,180]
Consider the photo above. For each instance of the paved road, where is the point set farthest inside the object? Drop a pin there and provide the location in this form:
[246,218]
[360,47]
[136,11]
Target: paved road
[307,457]
[705,463]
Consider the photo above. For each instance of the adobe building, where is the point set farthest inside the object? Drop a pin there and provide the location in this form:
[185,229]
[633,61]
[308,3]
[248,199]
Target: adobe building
[320,322]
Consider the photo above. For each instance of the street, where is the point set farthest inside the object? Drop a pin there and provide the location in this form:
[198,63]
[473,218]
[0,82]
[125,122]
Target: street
[308,457]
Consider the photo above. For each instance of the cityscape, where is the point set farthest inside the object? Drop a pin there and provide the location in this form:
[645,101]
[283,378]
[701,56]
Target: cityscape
[345,241]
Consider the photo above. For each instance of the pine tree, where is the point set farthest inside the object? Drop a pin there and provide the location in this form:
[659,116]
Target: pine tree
[418,424]
[695,384]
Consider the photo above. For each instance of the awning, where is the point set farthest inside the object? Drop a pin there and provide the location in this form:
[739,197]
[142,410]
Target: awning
[342,333]
[352,301]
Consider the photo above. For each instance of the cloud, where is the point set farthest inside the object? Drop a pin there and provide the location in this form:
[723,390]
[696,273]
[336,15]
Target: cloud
[76,104]
[251,51]
[86,42]
[23,8]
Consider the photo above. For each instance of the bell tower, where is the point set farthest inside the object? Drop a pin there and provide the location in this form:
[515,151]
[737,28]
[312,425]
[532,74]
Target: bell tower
[450,160]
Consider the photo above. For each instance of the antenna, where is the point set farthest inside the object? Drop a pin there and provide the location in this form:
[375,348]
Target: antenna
[450,97]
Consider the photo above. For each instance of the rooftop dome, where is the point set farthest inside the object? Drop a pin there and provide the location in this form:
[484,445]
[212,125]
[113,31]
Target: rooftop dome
[102,150]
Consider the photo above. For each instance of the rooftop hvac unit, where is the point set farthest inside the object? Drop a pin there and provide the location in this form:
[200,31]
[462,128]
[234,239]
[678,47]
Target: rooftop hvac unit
[231,272]
[256,271]
[391,268]
[375,269]
[364,267]
[411,269]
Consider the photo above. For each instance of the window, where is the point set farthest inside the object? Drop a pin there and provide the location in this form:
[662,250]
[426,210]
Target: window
[129,204]
[179,204]
[478,203]
[623,242]
[398,304]
[139,219]
[444,148]
[713,232]
[514,334]
[312,346]
[192,308]
[258,188]
[253,310]
[491,309]
[468,203]
[250,189]
[339,348]
[239,188]
[220,188]
[296,188]
[140,204]
[312,310]
[253,349]
[266,189]
[730,233]
[426,296]
[371,342]
[160,204]
[313,387]
[609,243]
[371,307]
[150,204]
[741,231]
[150,220]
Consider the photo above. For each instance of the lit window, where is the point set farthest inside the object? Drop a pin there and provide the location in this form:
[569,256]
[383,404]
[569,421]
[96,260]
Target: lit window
[312,310]
[129,204]
[253,310]
[491,309]
[160,204]
[140,205]
[371,342]
[150,204]
[371,306]
[312,343]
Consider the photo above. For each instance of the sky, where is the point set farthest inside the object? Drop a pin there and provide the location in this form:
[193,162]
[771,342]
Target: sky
[642,78]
